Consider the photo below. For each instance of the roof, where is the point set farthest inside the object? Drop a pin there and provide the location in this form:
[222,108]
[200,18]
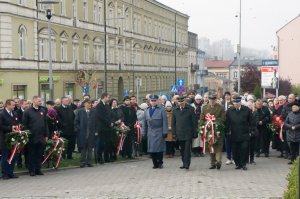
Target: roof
[287,24]
[244,62]
[217,63]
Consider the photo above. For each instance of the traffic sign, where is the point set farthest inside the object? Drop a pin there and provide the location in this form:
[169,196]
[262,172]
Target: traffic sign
[173,89]
[181,89]
[180,82]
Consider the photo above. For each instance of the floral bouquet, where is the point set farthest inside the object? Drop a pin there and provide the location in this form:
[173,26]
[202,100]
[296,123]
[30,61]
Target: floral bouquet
[276,126]
[15,141]
[210,132]
[121,130]
[54,149]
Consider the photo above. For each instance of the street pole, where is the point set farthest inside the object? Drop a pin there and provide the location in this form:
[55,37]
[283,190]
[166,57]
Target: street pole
[49,15]
[240,49]
[175,51]
[105,50]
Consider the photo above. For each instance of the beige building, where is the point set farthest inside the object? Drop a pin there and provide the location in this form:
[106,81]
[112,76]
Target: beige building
[288,50]
[192,60]
[140,45]
[218,75]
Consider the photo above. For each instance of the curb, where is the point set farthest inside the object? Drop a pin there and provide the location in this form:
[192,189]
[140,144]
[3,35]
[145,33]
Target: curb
[21,173]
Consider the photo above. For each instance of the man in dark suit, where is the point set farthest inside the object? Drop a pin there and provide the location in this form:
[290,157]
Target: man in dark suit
[35,120]
[226,103]
[239,125]
[262,118]
[85,127]
[104,128]
[66,116]
[130,119]
[23,106]
[8,123]
[184,127]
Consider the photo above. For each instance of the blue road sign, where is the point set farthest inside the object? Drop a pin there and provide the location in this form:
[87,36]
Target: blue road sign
[126,92]
[173,89]
[181,89]
[180,82]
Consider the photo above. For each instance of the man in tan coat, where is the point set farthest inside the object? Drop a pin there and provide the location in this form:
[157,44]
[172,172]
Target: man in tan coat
[213,108]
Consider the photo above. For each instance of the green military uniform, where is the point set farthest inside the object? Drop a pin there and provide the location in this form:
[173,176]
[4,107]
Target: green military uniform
[218,111]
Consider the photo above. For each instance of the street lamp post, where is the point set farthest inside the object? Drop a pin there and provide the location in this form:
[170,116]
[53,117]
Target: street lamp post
[105,44]
[49,15]
[239,49]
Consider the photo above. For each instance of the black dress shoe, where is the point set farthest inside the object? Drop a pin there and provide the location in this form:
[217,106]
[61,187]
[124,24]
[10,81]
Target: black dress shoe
[40,173]
[13,176]
[258,155]
[252,162]
[160,166]
[266,155]
[82,165]
[90,165]
[31,173]
[155,167]
[290,162]
[187,167]
[213,167]
[5,177]
[218,165]
[238,167]
[245,168]
[182,167]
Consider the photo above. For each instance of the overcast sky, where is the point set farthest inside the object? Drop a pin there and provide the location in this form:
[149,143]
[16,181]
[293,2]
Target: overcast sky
[216,19]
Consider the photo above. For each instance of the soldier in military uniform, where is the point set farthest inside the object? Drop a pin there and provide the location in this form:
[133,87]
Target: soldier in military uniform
[213,108]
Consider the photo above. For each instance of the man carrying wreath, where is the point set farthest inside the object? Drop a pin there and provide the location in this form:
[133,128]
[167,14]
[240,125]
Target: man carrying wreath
[217,111]
[8,123]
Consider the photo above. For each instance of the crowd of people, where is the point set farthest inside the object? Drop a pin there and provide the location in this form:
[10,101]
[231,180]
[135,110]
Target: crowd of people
[158,125]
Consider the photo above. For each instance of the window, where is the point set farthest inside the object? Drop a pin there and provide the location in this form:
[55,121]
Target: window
[19,91]
[95,15]
[22,41]
[235,74]
[127,22]
[85,11]
[63,8]
[75,52]
[86,53]
[43,49]
[22,2]
[63,51]
[45,91]
[99,14]
[74,9]
[69,89]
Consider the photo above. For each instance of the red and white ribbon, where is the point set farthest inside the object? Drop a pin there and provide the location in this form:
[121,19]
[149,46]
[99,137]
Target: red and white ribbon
[121,142]
[138,128]
[211,139]
[15,148]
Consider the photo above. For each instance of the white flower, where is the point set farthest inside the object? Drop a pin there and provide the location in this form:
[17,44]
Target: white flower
[201,132]
[58,152]
[218,132]
[24,142]
[54,150]
[13,139]
[210,136]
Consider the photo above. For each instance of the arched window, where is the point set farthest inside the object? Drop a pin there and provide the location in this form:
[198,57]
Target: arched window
[22,41]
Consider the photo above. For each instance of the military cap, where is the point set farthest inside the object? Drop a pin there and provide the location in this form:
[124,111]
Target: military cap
[181,99]
[212,97]
[237,99]
[153,97]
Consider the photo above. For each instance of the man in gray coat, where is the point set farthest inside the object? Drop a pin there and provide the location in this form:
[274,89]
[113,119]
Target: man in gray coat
[155,127]
[85,126]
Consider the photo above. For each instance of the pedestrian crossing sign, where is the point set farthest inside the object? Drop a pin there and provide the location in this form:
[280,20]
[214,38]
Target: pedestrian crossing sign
[173,89]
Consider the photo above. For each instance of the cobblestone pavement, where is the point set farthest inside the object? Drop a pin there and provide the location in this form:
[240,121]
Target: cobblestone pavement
[137,179]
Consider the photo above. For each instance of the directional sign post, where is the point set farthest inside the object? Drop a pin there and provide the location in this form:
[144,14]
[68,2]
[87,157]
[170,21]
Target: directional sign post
[181,89]
[180,82]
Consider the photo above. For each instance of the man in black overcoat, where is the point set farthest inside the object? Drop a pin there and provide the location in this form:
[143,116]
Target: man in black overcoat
[239,125]
[104,128]
[66,116]
[35,120]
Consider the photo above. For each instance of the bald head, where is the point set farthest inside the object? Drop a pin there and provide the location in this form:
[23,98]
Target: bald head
[291,98]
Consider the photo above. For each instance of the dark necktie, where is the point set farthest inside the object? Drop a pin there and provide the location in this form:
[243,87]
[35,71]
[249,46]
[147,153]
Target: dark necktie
[10,113]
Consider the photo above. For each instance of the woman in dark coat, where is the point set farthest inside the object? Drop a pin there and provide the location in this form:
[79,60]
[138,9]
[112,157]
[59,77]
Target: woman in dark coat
[292,124]
[53,122]
[117,118]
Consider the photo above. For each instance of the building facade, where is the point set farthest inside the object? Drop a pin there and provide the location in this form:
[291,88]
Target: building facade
[288,50]
[140,45]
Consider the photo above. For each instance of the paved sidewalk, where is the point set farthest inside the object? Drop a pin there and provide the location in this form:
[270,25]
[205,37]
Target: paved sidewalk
[137,179]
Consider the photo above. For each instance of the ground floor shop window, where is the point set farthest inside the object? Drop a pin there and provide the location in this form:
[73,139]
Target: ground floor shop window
[19,91]
[70,89]
[45,91]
